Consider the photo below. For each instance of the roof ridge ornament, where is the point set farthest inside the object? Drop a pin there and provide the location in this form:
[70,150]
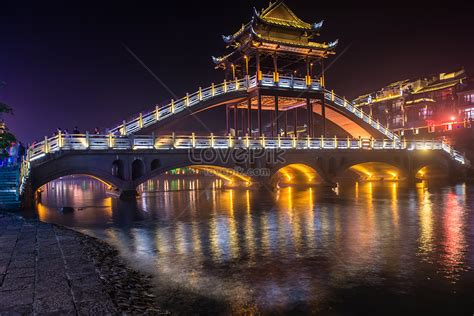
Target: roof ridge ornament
[318,26]
[333,44]
[228,39]
[255,12]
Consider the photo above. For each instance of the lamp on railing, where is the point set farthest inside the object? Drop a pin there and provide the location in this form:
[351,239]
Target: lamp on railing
[229,140]
[46,145]
[87,139]
[124,128]
[60,139]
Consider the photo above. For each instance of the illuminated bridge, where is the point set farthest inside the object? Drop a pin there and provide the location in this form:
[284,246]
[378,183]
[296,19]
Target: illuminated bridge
[282,126]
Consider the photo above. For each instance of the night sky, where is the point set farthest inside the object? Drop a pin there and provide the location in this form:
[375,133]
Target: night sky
[65,64]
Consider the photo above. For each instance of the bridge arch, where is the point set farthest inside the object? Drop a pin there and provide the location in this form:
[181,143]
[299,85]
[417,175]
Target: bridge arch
[118,169]
[339,112]
[227,173]
[371,171]
[108,179]
[433,171]
[138,169]
[296,174]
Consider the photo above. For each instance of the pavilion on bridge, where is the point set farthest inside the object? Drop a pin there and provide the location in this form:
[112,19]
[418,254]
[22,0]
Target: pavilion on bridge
[276,44]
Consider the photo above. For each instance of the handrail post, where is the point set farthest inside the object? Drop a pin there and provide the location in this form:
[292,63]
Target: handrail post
[87,140]
[60,138]
[335,141]
[229,140]
[263,141]
[348,143]
[45,146]
[173,140]
[140,120]
[372,141]
[157,111]
[110,140]
[172,106]
[212,140]
[153,139]
[308,141]
[322,142]
[236,84]
[200,94]
[360,142]
[294,141]
[225,86]
[213,89]
[279,140]
[186,102]
[193,139]
[124,127]
[247,140]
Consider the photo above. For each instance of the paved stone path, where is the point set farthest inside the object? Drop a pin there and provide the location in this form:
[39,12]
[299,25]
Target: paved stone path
[43,270]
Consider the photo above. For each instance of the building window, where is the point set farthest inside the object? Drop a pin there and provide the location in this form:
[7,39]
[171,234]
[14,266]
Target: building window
[397,120]
[469,114]
[425,113]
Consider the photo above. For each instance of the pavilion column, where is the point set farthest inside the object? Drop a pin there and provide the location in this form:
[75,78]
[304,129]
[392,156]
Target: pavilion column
[295,127]
[232,66]
[249,117]
[227,125]
[246,58]
[308,74]
[242,128]
[259,113]
[258,66]
[323,99]
[275,69]
[310,117]
[236,128]
[277,114]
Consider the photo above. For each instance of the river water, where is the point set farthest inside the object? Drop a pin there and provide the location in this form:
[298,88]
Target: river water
[366,248]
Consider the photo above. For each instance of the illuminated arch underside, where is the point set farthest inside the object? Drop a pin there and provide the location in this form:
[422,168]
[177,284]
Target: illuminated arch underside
[376,171]
[431,172]
[351,127]
[296,174]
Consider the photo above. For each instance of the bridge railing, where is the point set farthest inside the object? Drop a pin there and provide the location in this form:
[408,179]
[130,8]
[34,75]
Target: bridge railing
[82,142]
[176,106]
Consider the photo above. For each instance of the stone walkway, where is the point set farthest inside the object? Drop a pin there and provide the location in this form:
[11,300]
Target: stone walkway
[43,270]
[46,269]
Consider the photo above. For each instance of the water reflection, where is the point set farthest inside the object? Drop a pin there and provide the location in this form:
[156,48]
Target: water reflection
[292,250]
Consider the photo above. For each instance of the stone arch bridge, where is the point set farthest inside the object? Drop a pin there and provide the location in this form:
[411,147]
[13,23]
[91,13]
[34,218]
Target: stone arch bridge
[137,150]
